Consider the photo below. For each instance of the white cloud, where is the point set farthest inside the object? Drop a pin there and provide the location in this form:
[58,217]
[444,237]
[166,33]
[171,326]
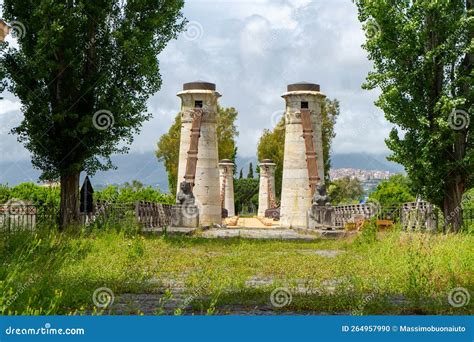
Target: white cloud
[252,50]
[8,106]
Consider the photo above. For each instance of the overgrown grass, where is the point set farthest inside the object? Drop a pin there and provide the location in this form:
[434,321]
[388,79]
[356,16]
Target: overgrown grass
[390,273]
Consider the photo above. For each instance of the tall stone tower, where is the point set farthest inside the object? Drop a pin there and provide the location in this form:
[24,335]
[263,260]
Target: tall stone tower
[266,190]
[303,165]
[200,99]
[226,177]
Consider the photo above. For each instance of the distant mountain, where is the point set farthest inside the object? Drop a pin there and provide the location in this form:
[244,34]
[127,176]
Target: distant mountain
[364,161]
[145,168]
[140,166]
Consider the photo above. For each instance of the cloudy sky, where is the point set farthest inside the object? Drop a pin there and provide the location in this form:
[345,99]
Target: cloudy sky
[252,50]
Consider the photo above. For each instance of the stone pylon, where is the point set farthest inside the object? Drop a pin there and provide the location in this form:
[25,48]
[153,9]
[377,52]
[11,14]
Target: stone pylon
[201,95]
[266,191]
[296,193]
[226,180]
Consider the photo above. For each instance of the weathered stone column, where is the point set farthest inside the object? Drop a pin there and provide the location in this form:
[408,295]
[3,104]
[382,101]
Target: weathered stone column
[206,190]
[226,181]
[296,192]
[267,180]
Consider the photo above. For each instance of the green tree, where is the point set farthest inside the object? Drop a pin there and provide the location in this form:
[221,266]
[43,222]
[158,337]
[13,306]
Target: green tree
[168,145]
[245,193]
[345,191]
[83,71]
[272,142]
[241,175]
[131,193]
[393,191]
[423,53]
[168,152]
[250,174]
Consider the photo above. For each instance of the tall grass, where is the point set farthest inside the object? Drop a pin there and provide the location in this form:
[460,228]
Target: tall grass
[46,272]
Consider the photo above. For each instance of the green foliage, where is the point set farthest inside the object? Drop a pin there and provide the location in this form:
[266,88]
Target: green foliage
[168,152]
[468,199]
[368,234]
[271,146]
[4,193]
[245,193]
[422,53]
[50,197]
[37,194]
[250,174]
[168,145]
[227,132]
[272,142]
[329,111]
[393,191]
[345,191]
[50,273]
[132,194]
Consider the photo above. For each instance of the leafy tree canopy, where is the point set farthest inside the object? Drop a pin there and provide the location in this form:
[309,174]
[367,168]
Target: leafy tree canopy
[393,191]
[423,56]
[345,191]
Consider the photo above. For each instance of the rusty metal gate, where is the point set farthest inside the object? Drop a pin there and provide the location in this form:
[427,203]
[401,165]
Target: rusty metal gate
[311,161]
[191,161]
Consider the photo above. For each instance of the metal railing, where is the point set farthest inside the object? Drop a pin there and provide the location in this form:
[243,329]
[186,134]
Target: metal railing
[26,216]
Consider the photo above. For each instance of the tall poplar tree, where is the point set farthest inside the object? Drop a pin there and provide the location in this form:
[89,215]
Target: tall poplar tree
[83,71]
[423,53]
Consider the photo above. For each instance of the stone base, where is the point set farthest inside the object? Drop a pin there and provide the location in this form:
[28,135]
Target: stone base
[273,213]
[225,213]
[186,216]
[322,217]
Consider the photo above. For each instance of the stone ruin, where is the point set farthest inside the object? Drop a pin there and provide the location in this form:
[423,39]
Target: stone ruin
[267,206]
[210,184]
[322,214]
[303,165]
[226,181]
[198,158]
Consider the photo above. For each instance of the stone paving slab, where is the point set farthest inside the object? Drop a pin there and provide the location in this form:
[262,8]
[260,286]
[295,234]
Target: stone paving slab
[267,233]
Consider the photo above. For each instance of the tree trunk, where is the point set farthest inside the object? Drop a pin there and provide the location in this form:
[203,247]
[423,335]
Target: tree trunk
[69,209]
[452,205]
